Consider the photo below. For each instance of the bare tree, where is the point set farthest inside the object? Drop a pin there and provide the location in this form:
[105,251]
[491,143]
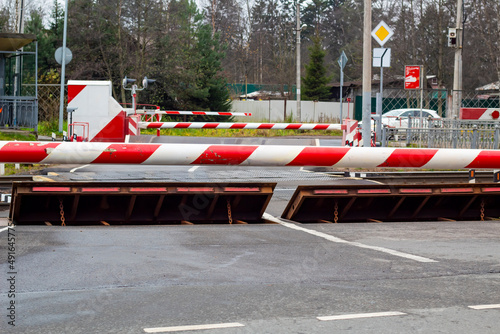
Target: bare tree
[484,26]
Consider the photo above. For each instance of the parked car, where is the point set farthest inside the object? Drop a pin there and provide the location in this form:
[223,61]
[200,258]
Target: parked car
[398,118]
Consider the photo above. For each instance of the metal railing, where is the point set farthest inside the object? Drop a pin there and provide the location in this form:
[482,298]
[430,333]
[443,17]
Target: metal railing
[19,112]
[445,133]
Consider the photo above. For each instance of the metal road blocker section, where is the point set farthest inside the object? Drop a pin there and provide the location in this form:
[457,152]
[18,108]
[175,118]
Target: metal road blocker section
[394,203]
[89,203]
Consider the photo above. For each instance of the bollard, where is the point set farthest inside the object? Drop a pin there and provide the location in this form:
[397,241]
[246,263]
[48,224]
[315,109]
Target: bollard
[472,176]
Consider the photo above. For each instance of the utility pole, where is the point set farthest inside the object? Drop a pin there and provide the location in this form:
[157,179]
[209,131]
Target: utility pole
[17,76]
[457,74]
[298,30]
[367,74]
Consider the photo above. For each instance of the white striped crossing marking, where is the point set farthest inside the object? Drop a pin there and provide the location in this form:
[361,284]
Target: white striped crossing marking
[484,307]
[5,229]
[329,237]
[360,316]
[192,328]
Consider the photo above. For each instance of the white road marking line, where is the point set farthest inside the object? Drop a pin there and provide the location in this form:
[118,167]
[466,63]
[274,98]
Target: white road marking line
[192,169]
[357,244]
[192,328]
[484,307]
[77,168]
[5,228]
[360,316]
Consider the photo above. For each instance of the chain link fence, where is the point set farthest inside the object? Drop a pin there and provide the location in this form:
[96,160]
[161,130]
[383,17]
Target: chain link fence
[48,102]
[439,100]
[480,99]
[404,98]
[396,98]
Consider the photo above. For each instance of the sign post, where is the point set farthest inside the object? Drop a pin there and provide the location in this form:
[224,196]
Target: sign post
[413,80]
[412,76]
[381,58]
[342,61]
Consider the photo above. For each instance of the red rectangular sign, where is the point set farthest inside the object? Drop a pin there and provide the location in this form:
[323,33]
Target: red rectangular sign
[412,77]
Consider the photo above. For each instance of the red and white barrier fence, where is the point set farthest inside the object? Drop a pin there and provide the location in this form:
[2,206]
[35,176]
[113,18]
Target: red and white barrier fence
[351,136]
[214,125]
[245,155]
[133,125]
[194,113]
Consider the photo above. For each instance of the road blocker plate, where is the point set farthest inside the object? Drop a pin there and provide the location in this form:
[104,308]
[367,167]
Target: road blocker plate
[394,203]
[111,203]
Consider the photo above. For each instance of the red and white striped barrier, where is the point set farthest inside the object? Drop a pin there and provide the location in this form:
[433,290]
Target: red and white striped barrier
[194,113]
[214,125]
[351,136]
[483,114]
[133,125]
[245,155]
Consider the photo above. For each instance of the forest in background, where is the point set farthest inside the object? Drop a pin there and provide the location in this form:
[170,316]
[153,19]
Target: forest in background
[193,49]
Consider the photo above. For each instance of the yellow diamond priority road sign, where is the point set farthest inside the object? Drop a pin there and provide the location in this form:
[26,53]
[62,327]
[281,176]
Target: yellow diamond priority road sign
[382,33]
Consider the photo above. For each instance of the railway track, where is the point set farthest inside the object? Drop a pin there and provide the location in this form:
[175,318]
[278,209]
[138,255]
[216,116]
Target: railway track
[6,187]
[419,177]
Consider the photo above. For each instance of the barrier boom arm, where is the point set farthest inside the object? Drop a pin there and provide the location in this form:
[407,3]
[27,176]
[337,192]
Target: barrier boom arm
[193,113]
[260,126]
[245,155]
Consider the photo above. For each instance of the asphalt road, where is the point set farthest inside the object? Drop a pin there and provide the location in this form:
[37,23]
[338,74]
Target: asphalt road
[269,278]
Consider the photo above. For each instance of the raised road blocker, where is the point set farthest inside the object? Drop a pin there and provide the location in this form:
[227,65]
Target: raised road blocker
[89,203]
[394,203]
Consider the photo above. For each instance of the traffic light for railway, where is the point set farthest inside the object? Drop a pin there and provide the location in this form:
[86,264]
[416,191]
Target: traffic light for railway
[127,81]
[146,82]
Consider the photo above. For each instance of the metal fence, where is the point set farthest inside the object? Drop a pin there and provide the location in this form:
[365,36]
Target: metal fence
[400,98]
[429,99]
[480,99]
[435,99]
[18,112]
[446,133]
[48,102]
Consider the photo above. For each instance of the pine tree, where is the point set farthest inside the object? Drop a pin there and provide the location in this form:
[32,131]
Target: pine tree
[209,76]
[315,81]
